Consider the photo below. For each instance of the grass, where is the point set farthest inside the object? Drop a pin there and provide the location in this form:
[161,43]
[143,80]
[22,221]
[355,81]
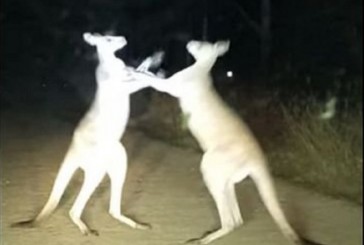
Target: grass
[323,154]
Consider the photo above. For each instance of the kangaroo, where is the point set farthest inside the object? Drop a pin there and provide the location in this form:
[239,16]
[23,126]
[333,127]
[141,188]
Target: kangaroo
[231,152]
[95,146]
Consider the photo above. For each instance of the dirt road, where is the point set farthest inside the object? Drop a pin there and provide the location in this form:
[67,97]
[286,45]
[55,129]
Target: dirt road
[163,188]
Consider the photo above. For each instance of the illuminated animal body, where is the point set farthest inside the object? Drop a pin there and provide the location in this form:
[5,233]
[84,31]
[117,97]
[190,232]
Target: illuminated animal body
[231,152]
[96,147]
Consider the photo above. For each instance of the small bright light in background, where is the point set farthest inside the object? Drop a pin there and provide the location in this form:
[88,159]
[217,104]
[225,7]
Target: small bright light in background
[229,74]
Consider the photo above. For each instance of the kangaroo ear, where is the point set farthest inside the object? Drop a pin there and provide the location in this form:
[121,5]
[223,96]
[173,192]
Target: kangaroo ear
[222,47]
[89,38]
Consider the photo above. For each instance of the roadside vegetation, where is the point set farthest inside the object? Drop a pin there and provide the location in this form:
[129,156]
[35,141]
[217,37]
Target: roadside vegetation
[324,154]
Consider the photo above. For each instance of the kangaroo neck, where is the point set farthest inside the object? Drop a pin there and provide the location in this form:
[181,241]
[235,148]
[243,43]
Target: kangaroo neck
[106,56]
[204,65]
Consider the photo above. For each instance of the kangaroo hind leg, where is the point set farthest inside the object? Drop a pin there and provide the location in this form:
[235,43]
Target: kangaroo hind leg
[234,205]
[221,198]
[92,179]
[222,191]
[117,173]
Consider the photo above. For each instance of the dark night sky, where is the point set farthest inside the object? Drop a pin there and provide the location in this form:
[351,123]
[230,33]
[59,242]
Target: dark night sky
[308,37]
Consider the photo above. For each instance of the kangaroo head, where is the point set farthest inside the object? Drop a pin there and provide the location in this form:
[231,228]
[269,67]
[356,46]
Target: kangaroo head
[207,52]
[106,42]
[194,79]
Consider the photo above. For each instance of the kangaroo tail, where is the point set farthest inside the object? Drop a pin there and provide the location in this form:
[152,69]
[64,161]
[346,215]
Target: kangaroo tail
[64,176]
[305,241]
[265,185]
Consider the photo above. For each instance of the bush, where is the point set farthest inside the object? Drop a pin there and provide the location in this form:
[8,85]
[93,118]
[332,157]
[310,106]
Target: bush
[325,154]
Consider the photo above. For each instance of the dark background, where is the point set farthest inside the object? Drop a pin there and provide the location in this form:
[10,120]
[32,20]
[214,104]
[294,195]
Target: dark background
[307,46]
